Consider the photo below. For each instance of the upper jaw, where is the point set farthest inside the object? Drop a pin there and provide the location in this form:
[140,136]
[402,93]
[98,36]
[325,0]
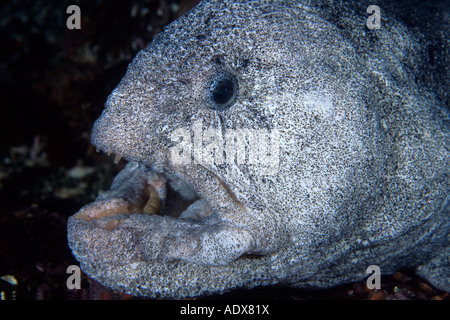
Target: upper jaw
[118,134]
[149,174]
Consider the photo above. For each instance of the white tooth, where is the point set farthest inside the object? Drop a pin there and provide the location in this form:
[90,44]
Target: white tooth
[97,150]
[117,158]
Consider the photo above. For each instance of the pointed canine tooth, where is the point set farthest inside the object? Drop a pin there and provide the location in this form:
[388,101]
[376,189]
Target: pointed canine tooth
[153,204]
[117,158]
[97,150]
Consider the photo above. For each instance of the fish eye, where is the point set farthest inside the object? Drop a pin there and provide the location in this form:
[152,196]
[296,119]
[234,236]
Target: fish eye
[223,89]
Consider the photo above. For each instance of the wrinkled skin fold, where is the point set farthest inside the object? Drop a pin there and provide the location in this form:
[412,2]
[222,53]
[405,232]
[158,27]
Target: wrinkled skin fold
[313,148]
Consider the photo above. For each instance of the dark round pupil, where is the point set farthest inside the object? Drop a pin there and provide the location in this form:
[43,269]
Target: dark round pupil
[223,91]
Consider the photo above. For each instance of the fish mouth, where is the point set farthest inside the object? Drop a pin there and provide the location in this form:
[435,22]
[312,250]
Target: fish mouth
[160,231]
[164,220]
[140,189]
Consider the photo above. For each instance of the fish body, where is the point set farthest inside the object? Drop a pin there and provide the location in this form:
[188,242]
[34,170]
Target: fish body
[274,142]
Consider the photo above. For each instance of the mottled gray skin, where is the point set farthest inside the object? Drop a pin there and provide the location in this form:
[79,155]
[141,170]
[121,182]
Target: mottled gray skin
[363,172]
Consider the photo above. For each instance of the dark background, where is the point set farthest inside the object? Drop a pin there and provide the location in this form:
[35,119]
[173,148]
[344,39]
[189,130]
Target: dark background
[53,84]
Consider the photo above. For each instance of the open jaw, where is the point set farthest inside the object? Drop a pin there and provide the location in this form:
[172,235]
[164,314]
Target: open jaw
[153,217]
[140,190]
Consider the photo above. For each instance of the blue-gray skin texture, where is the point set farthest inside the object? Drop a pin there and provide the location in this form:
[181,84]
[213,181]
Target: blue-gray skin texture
[362,172]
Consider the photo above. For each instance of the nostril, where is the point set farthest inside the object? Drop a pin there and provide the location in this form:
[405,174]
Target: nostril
[168,108]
